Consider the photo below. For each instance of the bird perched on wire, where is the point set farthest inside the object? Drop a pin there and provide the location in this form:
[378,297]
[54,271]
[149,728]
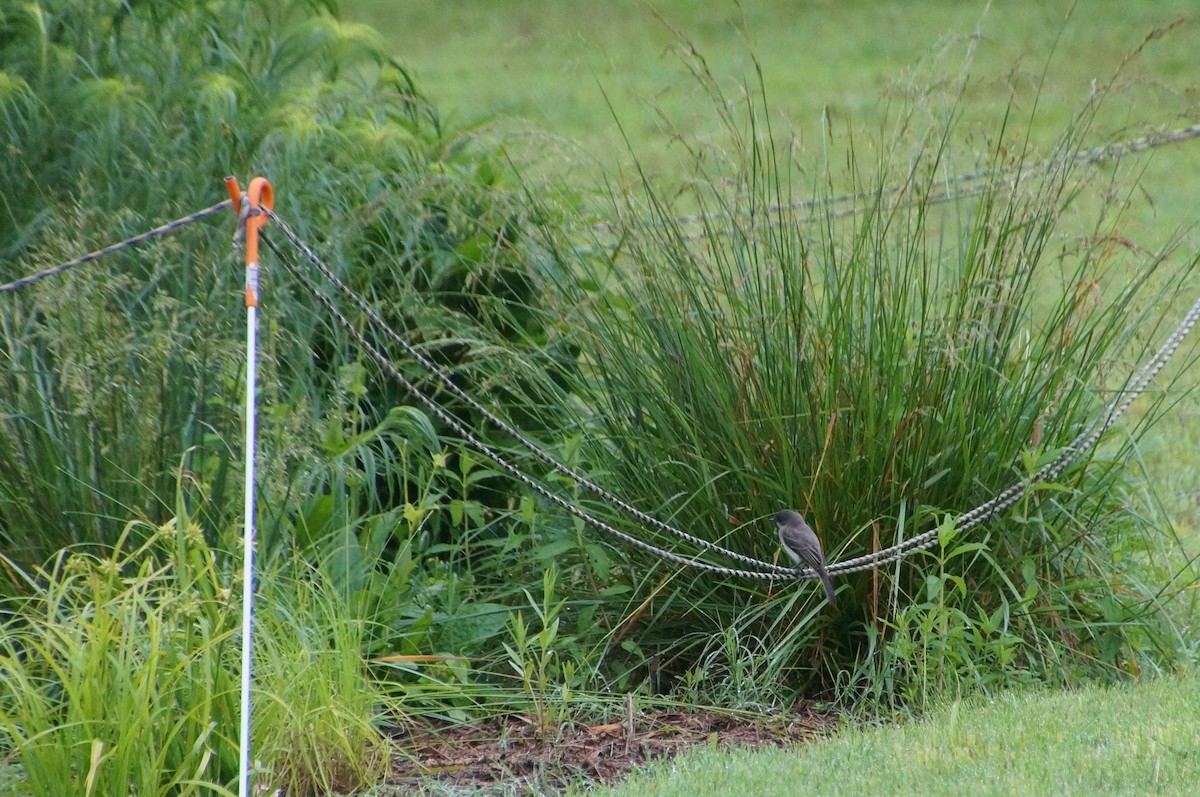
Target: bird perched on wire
[801,543]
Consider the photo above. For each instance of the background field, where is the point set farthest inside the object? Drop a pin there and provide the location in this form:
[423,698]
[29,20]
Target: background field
[558,63]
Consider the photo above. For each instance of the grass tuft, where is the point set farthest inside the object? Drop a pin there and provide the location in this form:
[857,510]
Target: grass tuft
[121,676]
[879,370]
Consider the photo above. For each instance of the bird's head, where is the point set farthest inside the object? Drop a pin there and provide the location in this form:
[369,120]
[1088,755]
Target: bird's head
[787,516]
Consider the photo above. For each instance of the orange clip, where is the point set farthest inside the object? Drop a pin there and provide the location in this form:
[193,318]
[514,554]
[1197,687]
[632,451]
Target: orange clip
[251,219]
[235,193]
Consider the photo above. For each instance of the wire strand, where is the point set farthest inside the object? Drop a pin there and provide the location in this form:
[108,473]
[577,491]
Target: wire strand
[503,425]
[157,232]
[460,428]
[1080,445]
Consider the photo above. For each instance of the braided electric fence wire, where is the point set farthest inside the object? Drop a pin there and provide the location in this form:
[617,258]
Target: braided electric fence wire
[1082,443]
[779,572]
[1049,472]
[503,425]
[391,370]
[1094,155]
[956,184]
[157,232]
[957,187]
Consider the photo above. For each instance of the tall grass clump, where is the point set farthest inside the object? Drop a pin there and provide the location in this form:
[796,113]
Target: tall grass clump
[120,676]
[115,678]
[883,365]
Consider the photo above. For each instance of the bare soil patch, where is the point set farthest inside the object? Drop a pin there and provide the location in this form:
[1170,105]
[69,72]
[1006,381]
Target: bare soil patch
[516,752]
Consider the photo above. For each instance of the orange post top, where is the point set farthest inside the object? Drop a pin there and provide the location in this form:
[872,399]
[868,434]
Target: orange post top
[251,219]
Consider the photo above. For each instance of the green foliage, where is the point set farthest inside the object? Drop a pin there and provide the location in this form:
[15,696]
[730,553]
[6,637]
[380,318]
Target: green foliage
[118,372]
[121,675]
[738,673]
[112,378]
[346,523]
[944,642]
[318,716]
[877,368]
[116,675]
[545,661]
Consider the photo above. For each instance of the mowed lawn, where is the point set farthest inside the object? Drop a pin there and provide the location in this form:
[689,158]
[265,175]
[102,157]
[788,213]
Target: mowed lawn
[559,63]
[1122,740]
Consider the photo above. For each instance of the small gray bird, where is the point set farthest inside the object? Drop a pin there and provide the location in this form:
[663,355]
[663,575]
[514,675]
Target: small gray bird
[801,543]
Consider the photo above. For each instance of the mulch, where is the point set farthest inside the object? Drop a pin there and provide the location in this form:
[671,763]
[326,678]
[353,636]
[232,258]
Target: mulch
[516,752]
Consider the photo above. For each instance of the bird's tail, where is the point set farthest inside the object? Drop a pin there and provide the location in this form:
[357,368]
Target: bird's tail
[828,586]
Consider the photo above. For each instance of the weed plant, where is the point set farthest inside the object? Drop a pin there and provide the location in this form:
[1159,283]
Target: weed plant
[882,370]
[120,675]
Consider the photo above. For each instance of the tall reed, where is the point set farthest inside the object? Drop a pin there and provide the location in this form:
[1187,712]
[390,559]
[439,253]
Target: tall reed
[879,369]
